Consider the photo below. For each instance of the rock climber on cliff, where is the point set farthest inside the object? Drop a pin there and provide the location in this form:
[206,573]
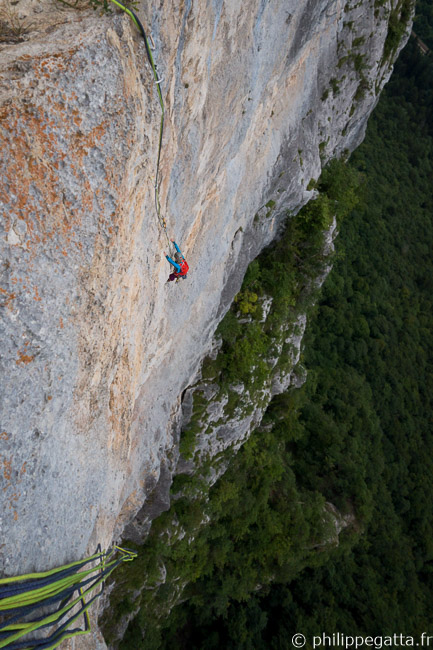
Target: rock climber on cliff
[179,263]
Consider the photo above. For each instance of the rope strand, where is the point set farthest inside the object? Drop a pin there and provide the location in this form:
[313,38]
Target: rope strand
[158,82]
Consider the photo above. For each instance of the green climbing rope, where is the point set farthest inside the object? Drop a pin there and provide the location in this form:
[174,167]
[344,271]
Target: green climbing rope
[158,81]
[53,600]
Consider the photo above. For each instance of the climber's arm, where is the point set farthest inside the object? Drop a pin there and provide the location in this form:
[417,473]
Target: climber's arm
[175,264]
[177,248]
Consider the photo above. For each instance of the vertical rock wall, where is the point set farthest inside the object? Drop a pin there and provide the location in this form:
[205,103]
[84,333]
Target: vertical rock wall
[96,348]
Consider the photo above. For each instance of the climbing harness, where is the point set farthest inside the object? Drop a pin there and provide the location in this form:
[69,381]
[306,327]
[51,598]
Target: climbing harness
[41,601]
[158,82]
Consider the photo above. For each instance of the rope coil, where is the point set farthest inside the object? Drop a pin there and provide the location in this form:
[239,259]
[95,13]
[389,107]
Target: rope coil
[23,598]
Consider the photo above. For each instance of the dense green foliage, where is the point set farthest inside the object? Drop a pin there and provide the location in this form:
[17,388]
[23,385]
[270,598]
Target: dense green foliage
[360,433]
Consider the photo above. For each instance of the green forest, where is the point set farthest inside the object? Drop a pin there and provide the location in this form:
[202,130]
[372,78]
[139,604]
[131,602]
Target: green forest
[357,438]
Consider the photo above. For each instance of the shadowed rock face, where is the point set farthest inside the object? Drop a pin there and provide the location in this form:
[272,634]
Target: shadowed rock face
[96,348]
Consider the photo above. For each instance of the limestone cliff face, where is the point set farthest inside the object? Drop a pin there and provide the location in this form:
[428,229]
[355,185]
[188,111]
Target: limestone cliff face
[96,349]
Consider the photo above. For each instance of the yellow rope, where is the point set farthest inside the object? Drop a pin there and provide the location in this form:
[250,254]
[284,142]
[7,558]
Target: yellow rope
[158,81]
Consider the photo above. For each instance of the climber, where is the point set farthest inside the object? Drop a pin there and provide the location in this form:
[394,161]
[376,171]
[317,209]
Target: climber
[179,263]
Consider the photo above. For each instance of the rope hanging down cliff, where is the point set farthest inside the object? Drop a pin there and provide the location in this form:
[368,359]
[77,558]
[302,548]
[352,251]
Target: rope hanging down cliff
[158,81]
